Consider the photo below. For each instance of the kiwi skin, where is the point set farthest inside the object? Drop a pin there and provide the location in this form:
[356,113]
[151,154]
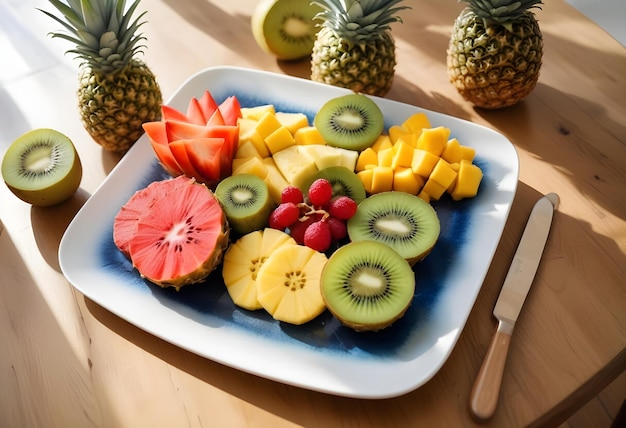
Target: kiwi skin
[353,121]
[357,258]
[30,187]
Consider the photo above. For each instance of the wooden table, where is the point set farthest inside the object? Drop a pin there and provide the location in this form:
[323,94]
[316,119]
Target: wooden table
[67,362]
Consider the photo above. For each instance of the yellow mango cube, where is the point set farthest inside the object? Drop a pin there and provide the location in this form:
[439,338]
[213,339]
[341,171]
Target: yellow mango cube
[385,157]
[452,151]
[267,124]
[278,140]
[423,162]
[395,132]
[293,121]
[424,196]
[433,189]
[295,166]
[308,135]
[365,176]
[382,179]
[402,155]
[410,139]
[405,181]
[467,153]
[467,182]
[381,143]
[443,173]
[366,157]
[433,140]
[416,122]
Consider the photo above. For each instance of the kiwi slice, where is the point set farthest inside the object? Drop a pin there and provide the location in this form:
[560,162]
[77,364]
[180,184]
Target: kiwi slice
[351,121]
[285,28]
[42,167]
[344,182]
[246,201]
[367,285]
[400,220]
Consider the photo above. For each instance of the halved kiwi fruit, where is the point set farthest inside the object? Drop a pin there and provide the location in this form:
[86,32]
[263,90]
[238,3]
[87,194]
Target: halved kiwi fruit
[246,201]
[367,285]
[343,181]
[350,121]
[42,167]
[400,220]
[285,28]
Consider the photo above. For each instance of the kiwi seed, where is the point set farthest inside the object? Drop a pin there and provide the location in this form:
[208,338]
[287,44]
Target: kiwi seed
[351,121]
[246,201]
[42,167]
[367,285]
[403,221]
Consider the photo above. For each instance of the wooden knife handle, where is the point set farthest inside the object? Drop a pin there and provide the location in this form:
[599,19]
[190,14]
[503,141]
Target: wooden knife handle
[486,389]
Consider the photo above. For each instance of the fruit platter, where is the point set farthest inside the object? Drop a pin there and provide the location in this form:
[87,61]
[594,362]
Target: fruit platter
[323,352]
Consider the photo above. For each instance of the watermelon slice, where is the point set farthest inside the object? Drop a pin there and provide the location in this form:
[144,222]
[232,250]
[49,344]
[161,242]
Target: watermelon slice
[181,237]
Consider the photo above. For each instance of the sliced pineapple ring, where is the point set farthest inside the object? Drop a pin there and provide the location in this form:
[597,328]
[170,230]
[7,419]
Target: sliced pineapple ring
[289,284]
[243,261]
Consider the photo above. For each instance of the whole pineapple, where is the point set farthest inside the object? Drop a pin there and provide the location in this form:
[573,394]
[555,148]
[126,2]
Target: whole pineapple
[354,48]
[117,92]
[495,52]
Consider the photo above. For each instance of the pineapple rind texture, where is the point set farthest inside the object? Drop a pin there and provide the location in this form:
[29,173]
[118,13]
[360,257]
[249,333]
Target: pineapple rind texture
[492,66]
[113,106]
[365,68]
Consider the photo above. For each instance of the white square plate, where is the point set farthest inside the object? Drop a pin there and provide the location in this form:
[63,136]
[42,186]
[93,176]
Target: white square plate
[321,355]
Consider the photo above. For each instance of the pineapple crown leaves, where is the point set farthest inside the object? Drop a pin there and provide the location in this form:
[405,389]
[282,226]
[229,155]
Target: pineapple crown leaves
[358,21]
[501,12]
[105,37]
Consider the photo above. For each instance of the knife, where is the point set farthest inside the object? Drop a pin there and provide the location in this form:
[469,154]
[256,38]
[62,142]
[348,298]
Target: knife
[486,389]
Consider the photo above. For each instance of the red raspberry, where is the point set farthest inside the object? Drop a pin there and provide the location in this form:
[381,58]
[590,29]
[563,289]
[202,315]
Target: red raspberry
[320,192]
[292,194]
[284,216]
[338,229]
[342,207]
[317,236]
[297,229]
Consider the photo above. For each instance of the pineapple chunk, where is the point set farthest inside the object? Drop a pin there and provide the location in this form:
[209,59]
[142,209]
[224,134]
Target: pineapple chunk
[324,156]
[289,284]
[467,182]
[275,181]
[348,158]
[294,166]
[433,140]
[416,122]
[293,121]
[405,181]
[253,165]
[308,135]
[382,179]
[247,150]
[278,140]
[255,113]
[423,162]
[366,157]
[267,124]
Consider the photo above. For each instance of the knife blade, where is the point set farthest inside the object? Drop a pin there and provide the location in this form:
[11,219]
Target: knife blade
[486,388]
